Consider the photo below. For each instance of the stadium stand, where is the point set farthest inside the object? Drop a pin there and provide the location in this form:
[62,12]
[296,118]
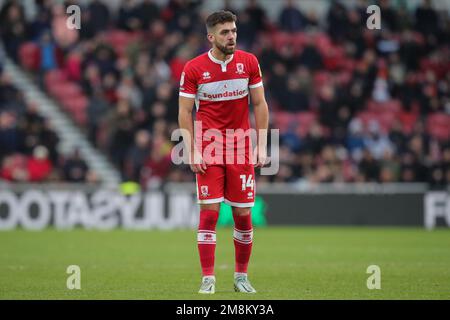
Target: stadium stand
[352,104]
[29,145]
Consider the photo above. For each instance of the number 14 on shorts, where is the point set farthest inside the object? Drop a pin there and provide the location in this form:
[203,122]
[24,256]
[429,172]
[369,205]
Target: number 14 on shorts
[247,181]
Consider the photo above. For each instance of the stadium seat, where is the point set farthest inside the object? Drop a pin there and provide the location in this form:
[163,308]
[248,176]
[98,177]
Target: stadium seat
[120,39]
[408,120]
[67,90]
[386,120]
[382,107]
[54,76]
[283,120]
[280,39]
[298,40]
[348,64]
[305,120]
[75,104]
[439,119]
[438,126]
[321,78]
[80,117]
[323,42]
[440,133]
[344,77]
[29,56]
[368,117]
[54,88]
[117,37]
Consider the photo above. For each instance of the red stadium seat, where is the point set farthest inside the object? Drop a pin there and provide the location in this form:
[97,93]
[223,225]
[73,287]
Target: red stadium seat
[67,90]
[305,120]
[56,87]
[283,120]
[117,37]
[323,43]
[382,107]
[344,77]
[280,39]
[387,120]
[298,40]
[440,133]
[120,39]
[80,117]
[29,56]
[75,104]
[439,119]
[321,78]
[408,120]
[348,64]
[438,126]
[366,118]
[54,76]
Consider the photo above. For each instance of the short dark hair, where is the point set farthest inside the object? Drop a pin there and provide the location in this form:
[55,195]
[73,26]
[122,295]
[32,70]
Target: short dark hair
[219,17]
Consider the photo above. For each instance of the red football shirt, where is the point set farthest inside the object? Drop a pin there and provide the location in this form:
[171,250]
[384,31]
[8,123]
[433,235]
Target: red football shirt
[221,89]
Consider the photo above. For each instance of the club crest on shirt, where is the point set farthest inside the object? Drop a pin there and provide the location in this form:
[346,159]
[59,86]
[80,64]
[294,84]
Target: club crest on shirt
[239,68]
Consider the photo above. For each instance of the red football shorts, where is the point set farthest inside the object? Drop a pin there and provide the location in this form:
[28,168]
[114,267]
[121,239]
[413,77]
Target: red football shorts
[232,183]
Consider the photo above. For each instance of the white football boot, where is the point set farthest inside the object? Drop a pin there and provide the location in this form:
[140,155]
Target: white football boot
[241,284]
[208,285]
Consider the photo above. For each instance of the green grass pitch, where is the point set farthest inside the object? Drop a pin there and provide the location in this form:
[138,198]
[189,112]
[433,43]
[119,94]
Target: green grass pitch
[287,263]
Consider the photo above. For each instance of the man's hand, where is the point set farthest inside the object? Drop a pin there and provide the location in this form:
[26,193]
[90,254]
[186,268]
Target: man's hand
[261,159]
[197,163]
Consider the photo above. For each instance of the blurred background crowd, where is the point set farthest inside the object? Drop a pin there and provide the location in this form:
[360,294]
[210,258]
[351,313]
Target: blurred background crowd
[352,104]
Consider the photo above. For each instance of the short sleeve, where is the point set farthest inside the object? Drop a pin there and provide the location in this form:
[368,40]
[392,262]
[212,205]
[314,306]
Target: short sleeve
[188,83]
[255,80]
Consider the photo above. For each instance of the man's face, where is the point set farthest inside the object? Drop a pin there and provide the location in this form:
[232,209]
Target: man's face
[224,36]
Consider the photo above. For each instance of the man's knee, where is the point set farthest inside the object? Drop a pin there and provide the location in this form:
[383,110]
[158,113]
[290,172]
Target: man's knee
[241,211]
[210,206]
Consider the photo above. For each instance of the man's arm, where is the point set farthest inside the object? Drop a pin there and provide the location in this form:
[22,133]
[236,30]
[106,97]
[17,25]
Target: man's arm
[185,122]
[261,111]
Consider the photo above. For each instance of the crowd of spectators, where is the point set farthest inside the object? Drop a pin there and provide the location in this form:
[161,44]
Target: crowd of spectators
[377,101]
[29,145]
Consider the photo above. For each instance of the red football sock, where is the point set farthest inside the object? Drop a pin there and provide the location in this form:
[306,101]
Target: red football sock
[206,240]
[243,239]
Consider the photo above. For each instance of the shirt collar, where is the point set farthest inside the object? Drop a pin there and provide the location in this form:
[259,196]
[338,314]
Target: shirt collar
[223,63]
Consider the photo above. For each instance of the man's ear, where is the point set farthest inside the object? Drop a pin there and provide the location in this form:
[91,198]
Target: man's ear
[210,37]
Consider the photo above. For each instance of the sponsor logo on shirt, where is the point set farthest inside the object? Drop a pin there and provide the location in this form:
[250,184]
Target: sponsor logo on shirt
[226,94]
[206,75]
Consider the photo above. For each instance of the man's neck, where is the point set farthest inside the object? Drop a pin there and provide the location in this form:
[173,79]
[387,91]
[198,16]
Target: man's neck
[219,55]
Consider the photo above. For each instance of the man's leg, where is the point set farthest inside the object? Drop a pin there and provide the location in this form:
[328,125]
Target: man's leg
[210,195]
[240,195]
[243,242]
[243,238]
[206,243]
[206,236]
